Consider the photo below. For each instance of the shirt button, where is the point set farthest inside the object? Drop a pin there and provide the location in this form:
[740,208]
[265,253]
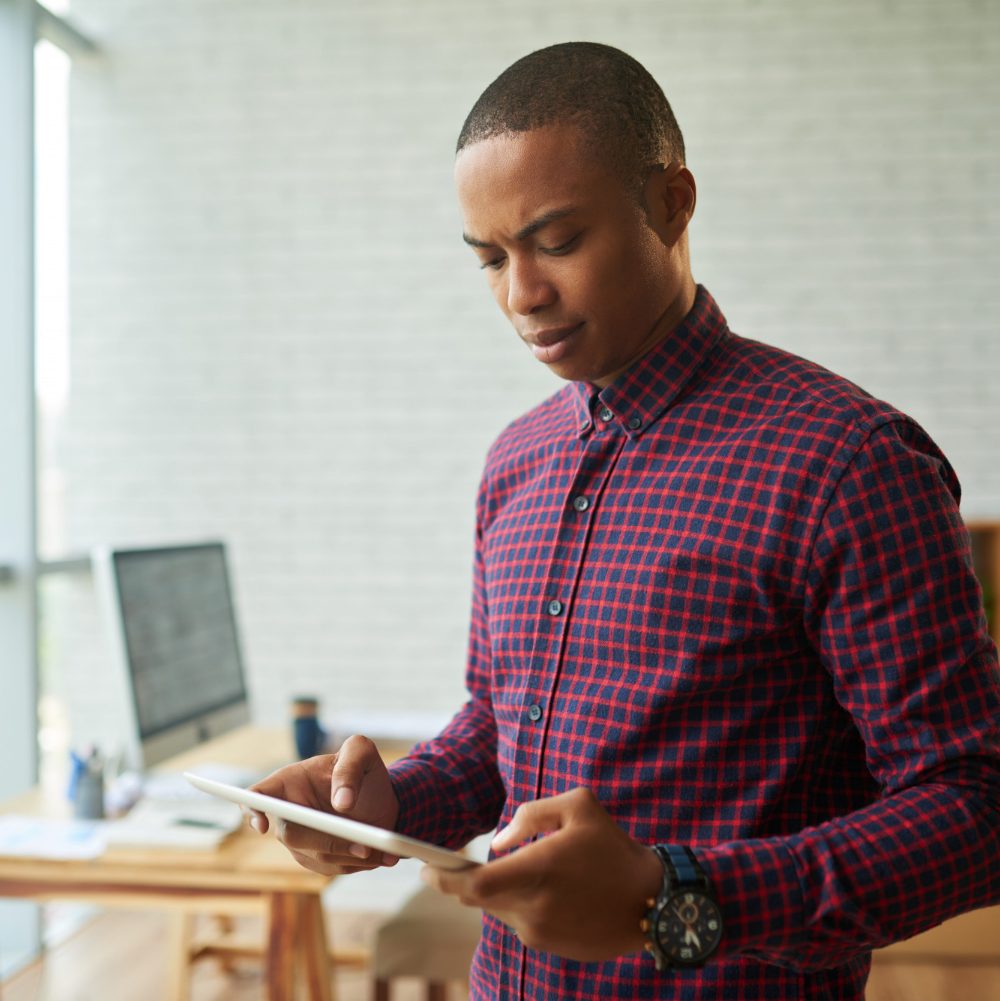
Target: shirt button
[635,423]
[555,607]
[605,414]
[581,503]
[534,712]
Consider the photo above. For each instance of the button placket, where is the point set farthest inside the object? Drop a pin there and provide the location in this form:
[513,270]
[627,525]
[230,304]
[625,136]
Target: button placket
[594,465]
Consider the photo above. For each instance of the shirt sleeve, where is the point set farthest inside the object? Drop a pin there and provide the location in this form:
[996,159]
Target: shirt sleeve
[894,611]
[449,788]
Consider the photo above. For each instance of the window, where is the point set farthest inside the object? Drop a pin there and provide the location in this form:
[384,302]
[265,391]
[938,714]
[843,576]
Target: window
[34,76]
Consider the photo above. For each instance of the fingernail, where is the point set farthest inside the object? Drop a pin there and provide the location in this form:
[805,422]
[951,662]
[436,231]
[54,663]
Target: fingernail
[255,824]
[343,799]
[360,851]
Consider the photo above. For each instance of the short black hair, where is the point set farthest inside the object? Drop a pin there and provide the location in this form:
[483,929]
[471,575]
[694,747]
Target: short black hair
[614,101]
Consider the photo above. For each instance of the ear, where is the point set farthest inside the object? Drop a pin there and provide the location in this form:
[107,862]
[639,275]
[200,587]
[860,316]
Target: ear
[670,195]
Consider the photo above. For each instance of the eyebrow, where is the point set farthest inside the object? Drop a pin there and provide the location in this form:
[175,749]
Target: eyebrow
[533,227]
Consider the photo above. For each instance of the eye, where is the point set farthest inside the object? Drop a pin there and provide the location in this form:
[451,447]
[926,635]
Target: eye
[493,264]
[563,248]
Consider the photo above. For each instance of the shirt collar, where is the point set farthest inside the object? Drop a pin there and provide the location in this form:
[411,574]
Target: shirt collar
[639,395]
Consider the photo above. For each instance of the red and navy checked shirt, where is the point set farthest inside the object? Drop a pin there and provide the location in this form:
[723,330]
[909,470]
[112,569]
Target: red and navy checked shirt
[732,595]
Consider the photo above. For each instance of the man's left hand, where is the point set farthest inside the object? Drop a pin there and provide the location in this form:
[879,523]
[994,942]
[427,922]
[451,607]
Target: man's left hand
[579,892]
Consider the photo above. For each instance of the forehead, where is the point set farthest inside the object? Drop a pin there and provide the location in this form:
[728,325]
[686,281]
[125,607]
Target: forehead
[507,181]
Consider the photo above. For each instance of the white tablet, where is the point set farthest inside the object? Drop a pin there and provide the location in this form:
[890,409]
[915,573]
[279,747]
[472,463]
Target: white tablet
[340,827]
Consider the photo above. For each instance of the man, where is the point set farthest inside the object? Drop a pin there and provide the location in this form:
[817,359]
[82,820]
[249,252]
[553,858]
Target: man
[723,604]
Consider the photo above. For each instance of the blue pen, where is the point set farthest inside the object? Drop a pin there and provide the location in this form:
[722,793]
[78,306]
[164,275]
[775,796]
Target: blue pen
[77,767]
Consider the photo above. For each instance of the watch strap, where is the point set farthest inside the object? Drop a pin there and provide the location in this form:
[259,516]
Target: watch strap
[686,869]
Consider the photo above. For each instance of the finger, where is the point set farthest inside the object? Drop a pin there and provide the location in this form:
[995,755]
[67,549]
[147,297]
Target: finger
[541,816]
[375,862]
[256,819]
[306,839]
[279,782]
[305,782]
[456,883]
[331,865]
[315,863]
[514,875]
[497,883]
[356,758]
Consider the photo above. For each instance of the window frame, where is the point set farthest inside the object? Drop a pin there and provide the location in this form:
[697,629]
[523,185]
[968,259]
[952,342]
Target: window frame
[22,24]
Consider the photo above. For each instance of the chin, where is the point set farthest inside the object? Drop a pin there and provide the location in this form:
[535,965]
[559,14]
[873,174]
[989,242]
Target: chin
[570,373]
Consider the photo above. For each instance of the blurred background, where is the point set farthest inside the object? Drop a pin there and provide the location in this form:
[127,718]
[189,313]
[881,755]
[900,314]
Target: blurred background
[234,302]
[255,320]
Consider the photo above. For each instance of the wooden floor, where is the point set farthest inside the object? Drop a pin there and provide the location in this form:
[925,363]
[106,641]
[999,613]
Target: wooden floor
[119,956]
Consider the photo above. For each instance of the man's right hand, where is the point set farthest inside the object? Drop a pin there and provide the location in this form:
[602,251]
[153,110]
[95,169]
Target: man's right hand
[353,782]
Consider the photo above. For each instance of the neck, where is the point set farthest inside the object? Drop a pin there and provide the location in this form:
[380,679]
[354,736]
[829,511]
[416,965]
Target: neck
[666,323]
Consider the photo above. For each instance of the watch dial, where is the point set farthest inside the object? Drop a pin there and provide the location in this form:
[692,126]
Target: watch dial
[689,927]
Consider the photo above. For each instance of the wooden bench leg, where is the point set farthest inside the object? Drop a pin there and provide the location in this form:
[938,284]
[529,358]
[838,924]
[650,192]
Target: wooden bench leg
[313,953]
[179,956]
[381,990]
[281,952]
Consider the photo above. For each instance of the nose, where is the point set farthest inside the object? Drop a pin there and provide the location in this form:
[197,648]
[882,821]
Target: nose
[528,289]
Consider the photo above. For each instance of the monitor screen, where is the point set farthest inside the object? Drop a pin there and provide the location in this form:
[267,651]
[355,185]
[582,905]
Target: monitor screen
[177,633]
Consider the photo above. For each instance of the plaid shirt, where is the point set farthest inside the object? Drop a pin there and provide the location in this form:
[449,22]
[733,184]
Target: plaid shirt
[731,594]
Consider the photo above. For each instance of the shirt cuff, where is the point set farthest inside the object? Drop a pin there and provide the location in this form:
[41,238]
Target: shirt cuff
[757,887]
[420,813]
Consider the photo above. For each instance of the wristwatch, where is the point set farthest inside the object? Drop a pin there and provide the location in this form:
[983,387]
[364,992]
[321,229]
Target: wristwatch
[683,925]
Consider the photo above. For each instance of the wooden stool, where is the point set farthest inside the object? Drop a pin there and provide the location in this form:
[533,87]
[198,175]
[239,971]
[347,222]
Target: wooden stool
[433,938]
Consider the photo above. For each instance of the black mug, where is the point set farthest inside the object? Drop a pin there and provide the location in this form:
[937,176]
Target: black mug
[310,738]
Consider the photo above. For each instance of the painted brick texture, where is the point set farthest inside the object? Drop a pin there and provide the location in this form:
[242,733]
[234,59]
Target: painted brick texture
[278,337]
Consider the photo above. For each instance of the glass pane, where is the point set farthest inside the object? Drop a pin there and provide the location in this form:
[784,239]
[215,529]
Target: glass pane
[52,67]
[60,597]
[51,361]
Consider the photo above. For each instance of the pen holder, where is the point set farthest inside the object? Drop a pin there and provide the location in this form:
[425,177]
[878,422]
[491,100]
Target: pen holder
[88,800]
[310,737]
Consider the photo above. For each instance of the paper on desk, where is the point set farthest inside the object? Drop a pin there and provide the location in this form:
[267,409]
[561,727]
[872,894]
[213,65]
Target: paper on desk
[43,837]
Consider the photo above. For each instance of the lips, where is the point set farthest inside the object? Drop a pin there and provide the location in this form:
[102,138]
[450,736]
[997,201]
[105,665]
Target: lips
[550,335]
[552,343]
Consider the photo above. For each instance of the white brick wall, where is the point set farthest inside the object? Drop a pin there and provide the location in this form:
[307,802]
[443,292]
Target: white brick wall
[278,337]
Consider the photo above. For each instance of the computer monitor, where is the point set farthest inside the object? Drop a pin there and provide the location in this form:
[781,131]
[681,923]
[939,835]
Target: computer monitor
[173,629]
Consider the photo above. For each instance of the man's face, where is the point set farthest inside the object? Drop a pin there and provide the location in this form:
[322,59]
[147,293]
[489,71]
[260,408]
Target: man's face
[569,253]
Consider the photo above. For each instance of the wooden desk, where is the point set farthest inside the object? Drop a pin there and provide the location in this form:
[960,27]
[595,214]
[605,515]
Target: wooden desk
[247,874]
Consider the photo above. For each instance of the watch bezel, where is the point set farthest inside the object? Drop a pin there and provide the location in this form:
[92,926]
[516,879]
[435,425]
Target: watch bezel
[669,949]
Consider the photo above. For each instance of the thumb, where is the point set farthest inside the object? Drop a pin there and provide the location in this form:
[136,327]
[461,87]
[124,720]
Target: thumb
[355,759]
[541,816]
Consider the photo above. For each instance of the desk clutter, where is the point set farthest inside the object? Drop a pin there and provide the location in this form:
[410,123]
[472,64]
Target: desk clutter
[46,838]
[194,824]
[161,810]
[170,813]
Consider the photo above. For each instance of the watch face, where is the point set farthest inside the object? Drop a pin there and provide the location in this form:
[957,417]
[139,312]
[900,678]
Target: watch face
[688,927]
